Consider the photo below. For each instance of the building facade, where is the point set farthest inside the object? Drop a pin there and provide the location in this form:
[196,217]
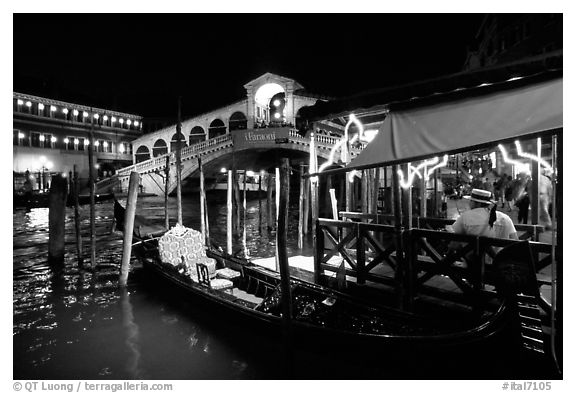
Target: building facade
[51,136]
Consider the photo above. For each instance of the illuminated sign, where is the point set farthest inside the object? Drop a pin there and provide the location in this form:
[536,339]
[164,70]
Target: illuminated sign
[263,137]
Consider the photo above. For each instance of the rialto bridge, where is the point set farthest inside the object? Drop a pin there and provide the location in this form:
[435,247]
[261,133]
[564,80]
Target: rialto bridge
[261,125]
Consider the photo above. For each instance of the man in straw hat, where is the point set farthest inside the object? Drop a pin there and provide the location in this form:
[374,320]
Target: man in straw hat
[483,220]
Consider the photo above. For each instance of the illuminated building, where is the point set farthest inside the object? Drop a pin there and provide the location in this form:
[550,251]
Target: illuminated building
[52,136]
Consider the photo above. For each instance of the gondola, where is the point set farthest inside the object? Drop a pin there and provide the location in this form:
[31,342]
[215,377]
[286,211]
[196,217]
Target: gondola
[320,314]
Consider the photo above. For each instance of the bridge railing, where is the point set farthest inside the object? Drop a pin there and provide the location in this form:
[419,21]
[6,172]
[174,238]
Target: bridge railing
[159,162]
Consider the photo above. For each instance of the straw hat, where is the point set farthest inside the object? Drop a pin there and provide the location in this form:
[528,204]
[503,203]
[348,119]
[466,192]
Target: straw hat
[481,196]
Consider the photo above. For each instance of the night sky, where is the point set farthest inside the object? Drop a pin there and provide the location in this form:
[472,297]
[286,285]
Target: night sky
[141,63]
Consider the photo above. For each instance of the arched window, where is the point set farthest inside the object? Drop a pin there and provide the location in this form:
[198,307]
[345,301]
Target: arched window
[197,135]
[237,121]
[159,148]
[175,139]
[142,154]
[217,127]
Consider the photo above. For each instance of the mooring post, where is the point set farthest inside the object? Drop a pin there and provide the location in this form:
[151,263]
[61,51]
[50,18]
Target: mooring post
[301,209]
[269,207]
[91,184]
[277,214]
[75,189]
[229,214]
[236,185]
[131,200]
[56,219]
[202,213]
[244,217]
[179,163]
[281,245]
[166,187]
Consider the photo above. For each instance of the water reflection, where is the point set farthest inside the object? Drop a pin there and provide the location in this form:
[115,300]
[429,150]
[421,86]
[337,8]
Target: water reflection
[77,323]
[132,336]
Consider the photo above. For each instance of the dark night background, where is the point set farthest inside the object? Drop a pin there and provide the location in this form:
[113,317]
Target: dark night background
[140,63]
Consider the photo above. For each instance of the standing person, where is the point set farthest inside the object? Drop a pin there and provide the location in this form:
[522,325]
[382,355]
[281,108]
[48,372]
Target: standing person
[483,220]
[545,199]
[508,193]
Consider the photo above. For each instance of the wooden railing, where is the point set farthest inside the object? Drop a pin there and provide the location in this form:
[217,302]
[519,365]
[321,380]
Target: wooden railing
[525,232]
[369,252]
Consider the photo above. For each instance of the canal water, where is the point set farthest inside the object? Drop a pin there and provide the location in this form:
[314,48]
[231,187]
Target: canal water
[76,323]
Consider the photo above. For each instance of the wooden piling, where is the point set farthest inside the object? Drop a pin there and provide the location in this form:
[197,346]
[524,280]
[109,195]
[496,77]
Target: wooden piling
[179,164]
[237,203]
[244,218]
[166,188]
[229,214]
[75,190]
[92,185]
[269,207]
[129,215]
[277,213]
[56,219]
[202,203]
[301,209]
[281,242]
[306,206]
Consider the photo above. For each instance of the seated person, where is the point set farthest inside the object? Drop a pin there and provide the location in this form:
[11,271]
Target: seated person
[483,220]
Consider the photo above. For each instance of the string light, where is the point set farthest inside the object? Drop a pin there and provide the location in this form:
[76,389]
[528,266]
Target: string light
[415,171]
[531,156]
[343,142]
[523,167]
[440,165]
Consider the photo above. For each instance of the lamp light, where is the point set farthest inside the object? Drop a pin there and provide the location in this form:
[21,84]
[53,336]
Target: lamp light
[41,106]
[75,112]
[19,102]
[52,108]
[28,104]
[65,111]
[53,139]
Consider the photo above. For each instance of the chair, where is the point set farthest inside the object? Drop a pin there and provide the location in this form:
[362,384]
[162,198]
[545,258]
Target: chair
[216,283]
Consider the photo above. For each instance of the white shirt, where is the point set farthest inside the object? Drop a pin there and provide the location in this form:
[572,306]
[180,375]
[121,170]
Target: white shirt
[475,222]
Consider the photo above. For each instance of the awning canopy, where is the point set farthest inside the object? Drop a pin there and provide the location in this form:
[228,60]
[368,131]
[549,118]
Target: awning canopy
[465,124]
